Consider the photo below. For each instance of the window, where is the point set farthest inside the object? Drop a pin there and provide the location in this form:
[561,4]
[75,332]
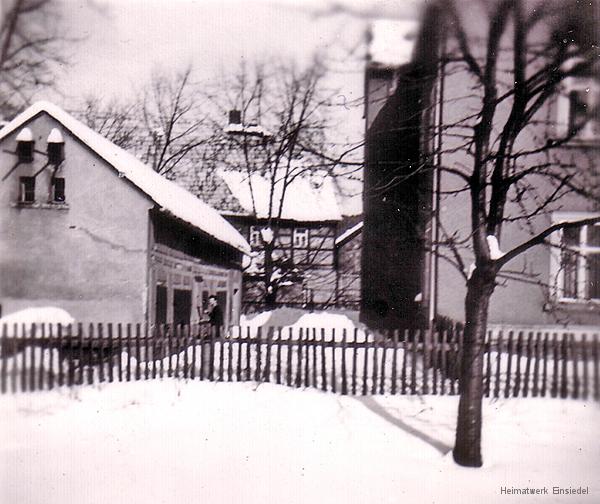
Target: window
[27,189]
[579,108]
[58,190]
[300,238]
[578,275]
[254,236]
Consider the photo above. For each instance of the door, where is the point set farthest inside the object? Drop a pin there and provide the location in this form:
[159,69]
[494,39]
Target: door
[222,302]
[161,304]
[182,306]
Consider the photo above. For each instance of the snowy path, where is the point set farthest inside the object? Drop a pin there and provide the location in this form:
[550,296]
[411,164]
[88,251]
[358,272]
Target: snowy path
[171,442]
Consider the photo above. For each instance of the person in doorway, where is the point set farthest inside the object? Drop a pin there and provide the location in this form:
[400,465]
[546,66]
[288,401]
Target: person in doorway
[215,316]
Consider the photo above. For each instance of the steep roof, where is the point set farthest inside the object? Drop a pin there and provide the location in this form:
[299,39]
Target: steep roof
[307,198]
[167,195]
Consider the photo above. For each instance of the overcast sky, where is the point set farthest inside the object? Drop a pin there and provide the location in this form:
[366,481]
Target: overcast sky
[122,41]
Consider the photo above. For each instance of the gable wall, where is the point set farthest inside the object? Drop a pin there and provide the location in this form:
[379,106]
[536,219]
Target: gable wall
[88,256]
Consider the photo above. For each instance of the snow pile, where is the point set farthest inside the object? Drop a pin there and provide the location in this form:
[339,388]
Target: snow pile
[307,198]
[168,441]
[172,198]
[393,41]
[38,315]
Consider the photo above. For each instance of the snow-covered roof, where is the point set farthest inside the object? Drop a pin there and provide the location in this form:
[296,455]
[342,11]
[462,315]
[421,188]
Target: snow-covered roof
[307,198]
[392,41]
[348,234]
[167,195]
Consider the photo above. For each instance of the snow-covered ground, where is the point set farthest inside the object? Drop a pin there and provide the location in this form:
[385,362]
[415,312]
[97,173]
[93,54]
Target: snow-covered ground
[174,441]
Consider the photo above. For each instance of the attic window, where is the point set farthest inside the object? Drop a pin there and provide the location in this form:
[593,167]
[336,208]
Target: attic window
[25,144]
[56,147]
[27,189]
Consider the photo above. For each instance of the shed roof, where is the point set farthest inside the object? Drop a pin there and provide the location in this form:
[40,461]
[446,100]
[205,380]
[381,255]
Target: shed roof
[168,196]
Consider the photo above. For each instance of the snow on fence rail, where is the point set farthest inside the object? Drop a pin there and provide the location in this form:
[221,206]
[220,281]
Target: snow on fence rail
[516,363]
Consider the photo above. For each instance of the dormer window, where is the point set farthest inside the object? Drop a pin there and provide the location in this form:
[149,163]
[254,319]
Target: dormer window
[27,189]
[56,147]
[25,145]
[579,109]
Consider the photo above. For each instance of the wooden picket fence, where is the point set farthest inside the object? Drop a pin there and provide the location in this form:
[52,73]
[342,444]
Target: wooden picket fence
[516,363]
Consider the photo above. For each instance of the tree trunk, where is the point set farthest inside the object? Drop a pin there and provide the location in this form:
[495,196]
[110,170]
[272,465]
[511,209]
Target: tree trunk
[467,448]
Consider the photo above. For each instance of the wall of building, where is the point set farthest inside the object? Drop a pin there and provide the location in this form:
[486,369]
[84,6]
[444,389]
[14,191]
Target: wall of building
[348,278]
[88,255]
[316,262]
[181,260]
[528,301]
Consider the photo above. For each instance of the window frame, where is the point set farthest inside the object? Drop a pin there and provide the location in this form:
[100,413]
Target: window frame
[301,232]
[23,190]
[590,132]
[583,250]
[53,189]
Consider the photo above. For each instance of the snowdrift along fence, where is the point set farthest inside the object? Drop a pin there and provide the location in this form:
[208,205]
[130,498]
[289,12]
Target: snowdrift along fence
[516,364]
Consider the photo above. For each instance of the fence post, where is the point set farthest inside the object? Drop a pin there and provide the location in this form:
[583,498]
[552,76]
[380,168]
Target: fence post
[343,367]
[584,361]
[323,362]
[4,352]
[488,362]
[221,353]
[413,362]
[307,357]
[120,347]
[394,362]
[536,365]
[374,370]
[267,372]
[564,381]
[288,369]
[519,352]
[510,347]
[404,361]
[61,373]
[110,352]
[128,330]
[575,359]
[31,346]
[314,356]
[278,357]
[138,335]
[258,353]
[333,366]
[545,364]
[354,359]
[554,387]
[299,359]
[42,346]
[385,340]
[526,377]
[365,363]
[596,358]
[435,352]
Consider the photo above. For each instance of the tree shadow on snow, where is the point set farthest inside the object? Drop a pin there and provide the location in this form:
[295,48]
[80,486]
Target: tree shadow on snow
[375,407]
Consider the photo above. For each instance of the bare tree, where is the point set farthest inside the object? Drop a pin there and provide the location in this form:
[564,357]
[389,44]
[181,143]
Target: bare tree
[502,150]
[164,127]
[117,122]
[276,136]
[172,121]
[31,48]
